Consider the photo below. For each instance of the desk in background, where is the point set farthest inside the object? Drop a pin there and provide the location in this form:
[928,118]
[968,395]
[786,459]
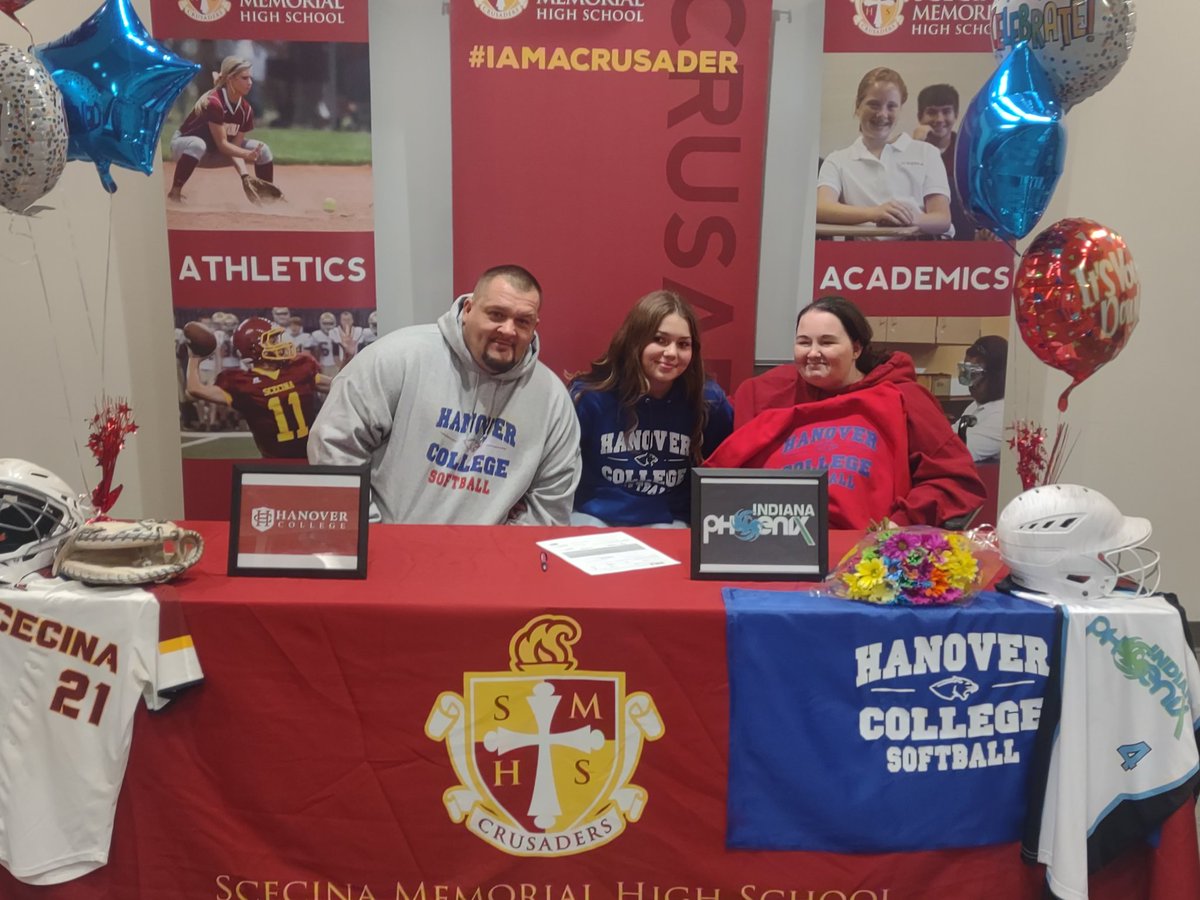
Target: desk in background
[304,757]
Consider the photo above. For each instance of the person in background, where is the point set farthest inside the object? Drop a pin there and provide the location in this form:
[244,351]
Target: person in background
[323,342]
[860,415]
[275,391]
[214,133]
[295,334]
[371,333]
[937,114]
[982,371]
[879,179]
[647,414]
[459,421]
[347,338]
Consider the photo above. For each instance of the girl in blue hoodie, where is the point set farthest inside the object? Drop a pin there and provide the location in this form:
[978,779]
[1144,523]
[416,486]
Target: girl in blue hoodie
[646,415]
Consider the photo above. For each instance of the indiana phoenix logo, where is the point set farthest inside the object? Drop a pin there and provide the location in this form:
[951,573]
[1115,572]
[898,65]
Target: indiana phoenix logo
[502,9]
[204,10]
[878,17]
[544,752]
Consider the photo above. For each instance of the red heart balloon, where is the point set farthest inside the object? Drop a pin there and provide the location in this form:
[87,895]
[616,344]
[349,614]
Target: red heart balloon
[1077,297]
[10,7]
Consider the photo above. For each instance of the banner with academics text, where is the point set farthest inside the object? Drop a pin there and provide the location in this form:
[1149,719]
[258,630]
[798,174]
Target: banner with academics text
[614,149]
[935,292]
[305,263]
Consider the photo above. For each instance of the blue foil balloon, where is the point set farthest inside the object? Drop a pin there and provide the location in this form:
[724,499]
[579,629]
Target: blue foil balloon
[1011,146]
[118,86]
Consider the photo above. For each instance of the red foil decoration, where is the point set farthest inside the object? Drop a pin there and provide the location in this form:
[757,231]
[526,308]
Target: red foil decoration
[1029,442]
[108,428]
[1077,298]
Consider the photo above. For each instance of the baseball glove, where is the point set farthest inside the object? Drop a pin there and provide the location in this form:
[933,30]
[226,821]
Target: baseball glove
[128,552]
[259,191]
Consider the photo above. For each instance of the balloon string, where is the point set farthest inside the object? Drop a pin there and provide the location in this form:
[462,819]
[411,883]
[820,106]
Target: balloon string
[87,312]
[13,16]
[104,315]
[58,356]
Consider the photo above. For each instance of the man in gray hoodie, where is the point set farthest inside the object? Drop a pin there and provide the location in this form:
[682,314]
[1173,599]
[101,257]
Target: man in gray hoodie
[460,422]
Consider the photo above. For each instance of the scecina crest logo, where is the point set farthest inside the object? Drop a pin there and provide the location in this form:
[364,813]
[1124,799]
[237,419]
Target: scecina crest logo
[878,17]
[205,10]
[502,9]
[544,752]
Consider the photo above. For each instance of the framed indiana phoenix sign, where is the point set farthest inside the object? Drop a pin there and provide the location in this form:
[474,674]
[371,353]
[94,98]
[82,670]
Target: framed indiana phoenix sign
[299,521]
[760,524]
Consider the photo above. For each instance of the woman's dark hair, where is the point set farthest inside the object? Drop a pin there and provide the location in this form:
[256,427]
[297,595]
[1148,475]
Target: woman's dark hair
[620,369]
[992,352]
[857,328]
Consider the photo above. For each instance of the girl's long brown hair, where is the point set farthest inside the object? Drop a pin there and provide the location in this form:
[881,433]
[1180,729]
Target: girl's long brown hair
[620,369]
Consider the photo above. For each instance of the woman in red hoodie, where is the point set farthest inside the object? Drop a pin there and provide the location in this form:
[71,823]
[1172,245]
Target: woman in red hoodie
[843,407]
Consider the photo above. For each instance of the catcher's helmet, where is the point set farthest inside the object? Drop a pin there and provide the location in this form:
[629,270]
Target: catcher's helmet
[38,511]
[258,340]
[1072,543]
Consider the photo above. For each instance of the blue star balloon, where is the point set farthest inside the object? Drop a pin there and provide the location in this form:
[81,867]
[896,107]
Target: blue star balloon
[117,86]
[1011,146]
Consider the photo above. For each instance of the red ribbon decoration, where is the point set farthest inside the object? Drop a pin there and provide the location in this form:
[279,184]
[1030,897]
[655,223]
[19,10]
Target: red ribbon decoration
[109,427]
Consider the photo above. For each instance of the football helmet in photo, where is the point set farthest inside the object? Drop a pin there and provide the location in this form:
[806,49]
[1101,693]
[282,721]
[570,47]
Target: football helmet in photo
[38,511]
[1072,543]
[259,340]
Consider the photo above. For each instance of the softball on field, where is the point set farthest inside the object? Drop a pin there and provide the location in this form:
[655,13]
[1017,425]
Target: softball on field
[330,205]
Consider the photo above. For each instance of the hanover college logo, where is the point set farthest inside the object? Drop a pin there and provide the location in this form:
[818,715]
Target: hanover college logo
[204,10]
[878,17]
[544,752]
[502,9]
[262,518]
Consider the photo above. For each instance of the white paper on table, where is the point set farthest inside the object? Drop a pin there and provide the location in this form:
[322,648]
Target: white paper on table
[611,551]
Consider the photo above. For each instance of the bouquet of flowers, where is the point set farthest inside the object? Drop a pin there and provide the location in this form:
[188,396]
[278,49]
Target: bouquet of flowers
[915,566]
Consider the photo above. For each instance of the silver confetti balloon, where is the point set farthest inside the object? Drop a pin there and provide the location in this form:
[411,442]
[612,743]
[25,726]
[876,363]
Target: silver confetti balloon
[33,130]
[1081,44]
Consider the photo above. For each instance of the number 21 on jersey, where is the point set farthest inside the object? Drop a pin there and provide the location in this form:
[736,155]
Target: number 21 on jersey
[71,696]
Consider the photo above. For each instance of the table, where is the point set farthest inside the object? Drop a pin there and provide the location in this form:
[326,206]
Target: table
[304,767]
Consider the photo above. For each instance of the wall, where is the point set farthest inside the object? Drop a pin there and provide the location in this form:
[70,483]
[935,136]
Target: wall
[1135,418]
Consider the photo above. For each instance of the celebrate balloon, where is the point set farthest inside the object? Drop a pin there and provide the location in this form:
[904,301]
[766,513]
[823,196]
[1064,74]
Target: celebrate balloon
[33,130]
[118,86]
[1082,44]
[1077,296]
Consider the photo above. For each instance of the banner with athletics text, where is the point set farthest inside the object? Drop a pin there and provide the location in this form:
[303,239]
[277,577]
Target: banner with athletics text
[897,76]
[290,104]
[614,149]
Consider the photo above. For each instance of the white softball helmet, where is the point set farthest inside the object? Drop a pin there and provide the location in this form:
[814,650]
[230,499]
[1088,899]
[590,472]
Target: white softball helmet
[38,511]
[1072,543]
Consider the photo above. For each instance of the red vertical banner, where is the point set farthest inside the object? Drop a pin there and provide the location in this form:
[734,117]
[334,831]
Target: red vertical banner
[291,79]
[614,149]
[898,77]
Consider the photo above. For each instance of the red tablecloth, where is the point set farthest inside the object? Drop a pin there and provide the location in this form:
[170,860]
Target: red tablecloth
[303,759]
